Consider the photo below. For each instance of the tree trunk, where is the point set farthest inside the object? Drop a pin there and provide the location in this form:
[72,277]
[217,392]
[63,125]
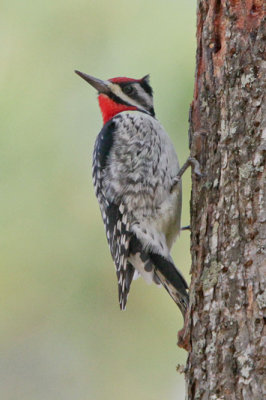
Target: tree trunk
[228,206]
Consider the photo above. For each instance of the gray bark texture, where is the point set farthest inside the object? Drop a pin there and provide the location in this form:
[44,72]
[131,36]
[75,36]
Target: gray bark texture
[224,330]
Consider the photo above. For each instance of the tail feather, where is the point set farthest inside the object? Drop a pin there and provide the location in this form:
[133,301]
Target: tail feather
[124,286]
[172,280]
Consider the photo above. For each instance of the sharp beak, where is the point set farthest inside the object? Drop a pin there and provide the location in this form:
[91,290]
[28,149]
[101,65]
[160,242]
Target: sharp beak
[101,86]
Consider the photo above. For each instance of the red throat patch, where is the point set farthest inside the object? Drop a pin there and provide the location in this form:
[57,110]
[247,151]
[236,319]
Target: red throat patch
[110,108]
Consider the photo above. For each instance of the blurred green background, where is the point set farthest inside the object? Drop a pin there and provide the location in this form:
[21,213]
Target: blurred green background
[62,333]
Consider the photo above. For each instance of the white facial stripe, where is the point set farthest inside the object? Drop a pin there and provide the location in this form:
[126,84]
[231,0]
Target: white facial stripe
[119,93]
[141,92]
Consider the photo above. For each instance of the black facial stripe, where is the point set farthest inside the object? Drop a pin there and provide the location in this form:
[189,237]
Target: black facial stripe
[118,100]
[135,95]
[145,86]
[123,84]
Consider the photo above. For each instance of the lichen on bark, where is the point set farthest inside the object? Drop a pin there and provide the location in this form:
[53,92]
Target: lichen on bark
[225,325]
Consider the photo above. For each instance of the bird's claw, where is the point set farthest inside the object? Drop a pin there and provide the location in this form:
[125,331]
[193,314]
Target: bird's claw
[191,161]
[195,166]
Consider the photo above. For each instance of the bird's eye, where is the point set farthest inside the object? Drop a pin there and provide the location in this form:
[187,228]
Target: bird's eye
[128,89]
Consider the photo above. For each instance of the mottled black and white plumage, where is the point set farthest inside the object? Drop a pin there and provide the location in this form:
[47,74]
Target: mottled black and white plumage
[134,166]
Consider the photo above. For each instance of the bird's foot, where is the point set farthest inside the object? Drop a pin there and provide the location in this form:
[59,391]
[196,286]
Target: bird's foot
[191,161]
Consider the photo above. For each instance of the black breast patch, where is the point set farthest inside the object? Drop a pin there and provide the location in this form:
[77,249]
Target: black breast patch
[104,142]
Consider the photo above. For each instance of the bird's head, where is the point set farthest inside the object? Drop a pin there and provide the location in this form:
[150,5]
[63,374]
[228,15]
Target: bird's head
[122,94]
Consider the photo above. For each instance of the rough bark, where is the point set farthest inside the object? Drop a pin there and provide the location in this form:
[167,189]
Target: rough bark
[225,325]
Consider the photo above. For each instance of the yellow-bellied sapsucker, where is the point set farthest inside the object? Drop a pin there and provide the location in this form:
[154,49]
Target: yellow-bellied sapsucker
[134,170]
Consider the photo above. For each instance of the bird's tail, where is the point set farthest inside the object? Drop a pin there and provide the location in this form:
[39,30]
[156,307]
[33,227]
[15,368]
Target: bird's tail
[172,280]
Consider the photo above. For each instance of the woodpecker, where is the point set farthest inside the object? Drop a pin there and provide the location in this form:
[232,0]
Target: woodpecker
[134,175]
